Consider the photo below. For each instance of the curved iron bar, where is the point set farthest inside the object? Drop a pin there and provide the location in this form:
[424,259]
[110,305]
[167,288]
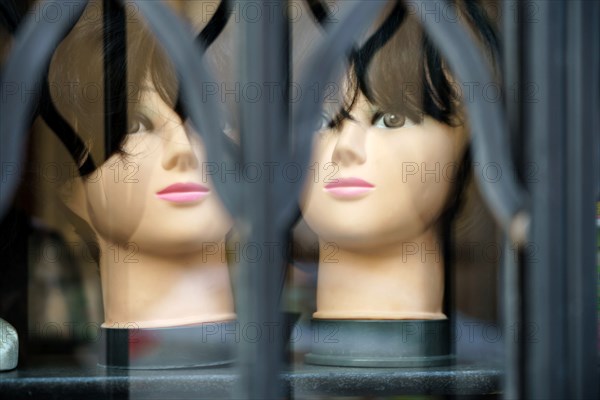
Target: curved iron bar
[33,48]
[55,121]
[321,67]
[506,199]
[362,56]
[204,113]
[207,36]
[33,36]
[47,109]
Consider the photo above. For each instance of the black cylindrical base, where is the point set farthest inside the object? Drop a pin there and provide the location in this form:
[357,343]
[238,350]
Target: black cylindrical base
[203,345]
[380,343]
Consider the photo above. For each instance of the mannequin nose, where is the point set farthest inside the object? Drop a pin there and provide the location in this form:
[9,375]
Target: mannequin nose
[179,152]
[350,147]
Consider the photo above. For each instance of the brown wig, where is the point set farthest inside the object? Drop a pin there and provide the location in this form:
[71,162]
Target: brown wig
[76,79]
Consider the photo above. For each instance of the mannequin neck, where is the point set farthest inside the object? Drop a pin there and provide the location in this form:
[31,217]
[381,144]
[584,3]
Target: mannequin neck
[142,290]
[401,281]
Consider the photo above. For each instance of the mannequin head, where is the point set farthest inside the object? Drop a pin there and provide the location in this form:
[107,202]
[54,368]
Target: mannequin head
[124,202]
[398,200]
[158,222]
[389,157]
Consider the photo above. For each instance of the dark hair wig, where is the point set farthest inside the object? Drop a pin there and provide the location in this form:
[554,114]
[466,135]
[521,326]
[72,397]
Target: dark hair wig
[400,70]
[76,80]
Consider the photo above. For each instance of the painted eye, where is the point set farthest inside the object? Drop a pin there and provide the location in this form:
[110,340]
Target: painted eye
[391,121]
[140,124]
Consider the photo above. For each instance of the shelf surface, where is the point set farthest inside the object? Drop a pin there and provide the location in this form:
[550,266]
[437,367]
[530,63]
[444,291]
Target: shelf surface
[64,378]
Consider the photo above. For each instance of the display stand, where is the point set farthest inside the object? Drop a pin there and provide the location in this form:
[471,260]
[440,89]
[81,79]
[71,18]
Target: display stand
[380,343]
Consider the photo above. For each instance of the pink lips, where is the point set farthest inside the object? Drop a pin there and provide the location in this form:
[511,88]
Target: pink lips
[348,188]
[183,193]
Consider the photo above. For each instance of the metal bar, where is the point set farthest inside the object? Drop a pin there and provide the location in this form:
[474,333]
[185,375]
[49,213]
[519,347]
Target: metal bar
[510,282]
[511,319]
[31,52]
[512,22]
[543,331]
[264,127]
[559,291]
[115,72]
[11,17]
[488,126]
[204,112]
[115,114]
[449,259]
[319,70]
[580,206]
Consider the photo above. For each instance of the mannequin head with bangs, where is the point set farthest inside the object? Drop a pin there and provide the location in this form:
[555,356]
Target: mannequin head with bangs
[391,158]
[146,196]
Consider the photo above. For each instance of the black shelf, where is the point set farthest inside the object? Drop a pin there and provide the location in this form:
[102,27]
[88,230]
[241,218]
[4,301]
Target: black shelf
[67,379]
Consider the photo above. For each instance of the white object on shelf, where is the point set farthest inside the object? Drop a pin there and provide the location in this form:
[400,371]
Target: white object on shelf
[9,346]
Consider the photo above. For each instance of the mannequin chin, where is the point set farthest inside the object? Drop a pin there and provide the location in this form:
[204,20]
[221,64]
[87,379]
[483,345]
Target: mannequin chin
[376,215]
[160,227]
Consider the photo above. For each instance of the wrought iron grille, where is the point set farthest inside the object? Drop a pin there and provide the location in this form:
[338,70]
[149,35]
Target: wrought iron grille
[552,288]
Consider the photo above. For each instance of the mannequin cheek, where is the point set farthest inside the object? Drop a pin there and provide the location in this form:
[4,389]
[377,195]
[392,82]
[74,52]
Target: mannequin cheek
[431,200]
[316,175]
[315,207]
[306,194]
[220,221]
[115,208]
